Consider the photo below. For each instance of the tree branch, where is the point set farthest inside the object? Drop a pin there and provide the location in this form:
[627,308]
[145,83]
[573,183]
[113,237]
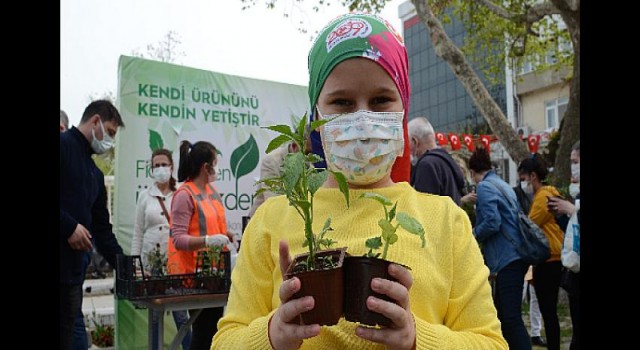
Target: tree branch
[499,11]
[538,11]
[567,5]
[534,14]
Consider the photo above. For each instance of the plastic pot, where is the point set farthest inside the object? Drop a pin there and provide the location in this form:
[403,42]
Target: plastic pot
[325,285]
[358,273]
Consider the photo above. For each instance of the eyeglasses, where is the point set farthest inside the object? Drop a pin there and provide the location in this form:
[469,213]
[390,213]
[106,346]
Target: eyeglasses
[158,165]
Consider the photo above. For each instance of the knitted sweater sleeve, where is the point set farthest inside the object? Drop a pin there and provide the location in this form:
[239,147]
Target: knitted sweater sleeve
[250,307]
[471,320]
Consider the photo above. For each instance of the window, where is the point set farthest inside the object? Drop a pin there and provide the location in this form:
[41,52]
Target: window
[527,67]
[554,111]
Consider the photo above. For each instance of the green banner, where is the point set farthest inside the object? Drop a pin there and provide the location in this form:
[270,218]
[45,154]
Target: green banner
[162,104]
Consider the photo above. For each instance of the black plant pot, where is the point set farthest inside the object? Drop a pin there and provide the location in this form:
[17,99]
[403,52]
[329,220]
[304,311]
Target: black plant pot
[358,273]
[324,285]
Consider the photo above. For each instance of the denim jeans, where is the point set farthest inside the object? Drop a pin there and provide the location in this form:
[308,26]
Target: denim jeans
[80,341]
[70,303]
[508,301]
[180,317]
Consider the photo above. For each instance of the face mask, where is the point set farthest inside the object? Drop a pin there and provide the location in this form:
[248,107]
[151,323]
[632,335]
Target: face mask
[414,160]
[161,174]
[574,189]
[363,145]
[526,187]
[101,146]
[575,171]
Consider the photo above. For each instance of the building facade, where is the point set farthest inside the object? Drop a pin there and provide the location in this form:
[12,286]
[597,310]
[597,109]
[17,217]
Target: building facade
[439,96]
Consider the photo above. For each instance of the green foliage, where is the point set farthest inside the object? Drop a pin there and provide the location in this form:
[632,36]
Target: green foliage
[388,235]
[209,262]
[102,335]
[300,181]
[157,261]
[492,39]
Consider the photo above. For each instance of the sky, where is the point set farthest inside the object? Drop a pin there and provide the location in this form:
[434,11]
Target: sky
[216,35]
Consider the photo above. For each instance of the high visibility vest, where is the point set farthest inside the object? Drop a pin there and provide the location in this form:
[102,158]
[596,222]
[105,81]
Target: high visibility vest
[207,219]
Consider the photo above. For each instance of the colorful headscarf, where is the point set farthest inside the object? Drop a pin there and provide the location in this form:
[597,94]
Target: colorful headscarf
[368,36]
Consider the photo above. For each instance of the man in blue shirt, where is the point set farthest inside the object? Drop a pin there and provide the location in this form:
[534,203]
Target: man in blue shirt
[84,218]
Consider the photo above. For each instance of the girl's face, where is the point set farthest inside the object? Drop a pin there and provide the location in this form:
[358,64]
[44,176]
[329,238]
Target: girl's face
[359,83]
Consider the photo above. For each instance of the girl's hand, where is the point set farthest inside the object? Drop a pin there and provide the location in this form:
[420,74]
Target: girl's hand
[402,332]
[284,331]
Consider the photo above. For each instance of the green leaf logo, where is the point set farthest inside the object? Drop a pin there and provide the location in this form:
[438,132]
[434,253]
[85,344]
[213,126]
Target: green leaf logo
[245,158]
[155,140]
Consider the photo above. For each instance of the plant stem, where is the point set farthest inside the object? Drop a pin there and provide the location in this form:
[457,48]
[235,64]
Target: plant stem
[386,242]
[308,233]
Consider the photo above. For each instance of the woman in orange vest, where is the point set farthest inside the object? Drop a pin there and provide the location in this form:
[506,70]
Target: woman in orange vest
[197,221]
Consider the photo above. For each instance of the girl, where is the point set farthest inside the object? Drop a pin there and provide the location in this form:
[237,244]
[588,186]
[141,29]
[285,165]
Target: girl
[358,73]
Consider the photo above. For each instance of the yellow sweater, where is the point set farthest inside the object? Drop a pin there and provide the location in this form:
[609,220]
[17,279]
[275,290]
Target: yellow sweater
[450,297]
[540,214]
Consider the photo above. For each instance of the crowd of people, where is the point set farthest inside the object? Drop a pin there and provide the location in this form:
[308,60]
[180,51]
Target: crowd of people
[464,290]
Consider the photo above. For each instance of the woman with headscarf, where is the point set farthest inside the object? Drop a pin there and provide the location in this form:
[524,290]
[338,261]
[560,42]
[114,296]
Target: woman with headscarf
[358,79]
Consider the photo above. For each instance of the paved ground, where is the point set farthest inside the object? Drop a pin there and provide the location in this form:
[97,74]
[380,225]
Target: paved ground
[565,324]
[98,300]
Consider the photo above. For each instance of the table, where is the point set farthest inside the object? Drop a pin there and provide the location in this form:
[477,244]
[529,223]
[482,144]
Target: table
[184,302]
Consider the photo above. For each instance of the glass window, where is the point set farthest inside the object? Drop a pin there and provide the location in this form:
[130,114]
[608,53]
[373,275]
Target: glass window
[554,111]
[562,107]
[551,118]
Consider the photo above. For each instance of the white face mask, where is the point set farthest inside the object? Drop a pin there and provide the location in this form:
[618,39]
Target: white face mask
[101,146]
[414,160]
[575,171]
[161,174]
[363,145]
[526,187]
[574,189]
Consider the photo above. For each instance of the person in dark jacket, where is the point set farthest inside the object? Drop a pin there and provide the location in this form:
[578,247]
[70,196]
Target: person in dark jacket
[433,169]
[84,218]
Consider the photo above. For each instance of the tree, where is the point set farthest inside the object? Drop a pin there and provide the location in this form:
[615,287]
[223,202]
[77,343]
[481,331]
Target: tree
[528,27]
[165,50]
[531,31]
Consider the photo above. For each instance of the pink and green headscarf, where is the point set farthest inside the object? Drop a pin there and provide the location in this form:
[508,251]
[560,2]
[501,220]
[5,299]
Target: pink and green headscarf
[368,36]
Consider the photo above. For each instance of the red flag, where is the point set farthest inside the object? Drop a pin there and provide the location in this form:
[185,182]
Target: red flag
[534,142]
[442,140]
[468,140]
[486,141]
[455,141]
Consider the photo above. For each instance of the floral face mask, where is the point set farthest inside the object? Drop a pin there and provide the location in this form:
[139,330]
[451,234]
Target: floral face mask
[363,145]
